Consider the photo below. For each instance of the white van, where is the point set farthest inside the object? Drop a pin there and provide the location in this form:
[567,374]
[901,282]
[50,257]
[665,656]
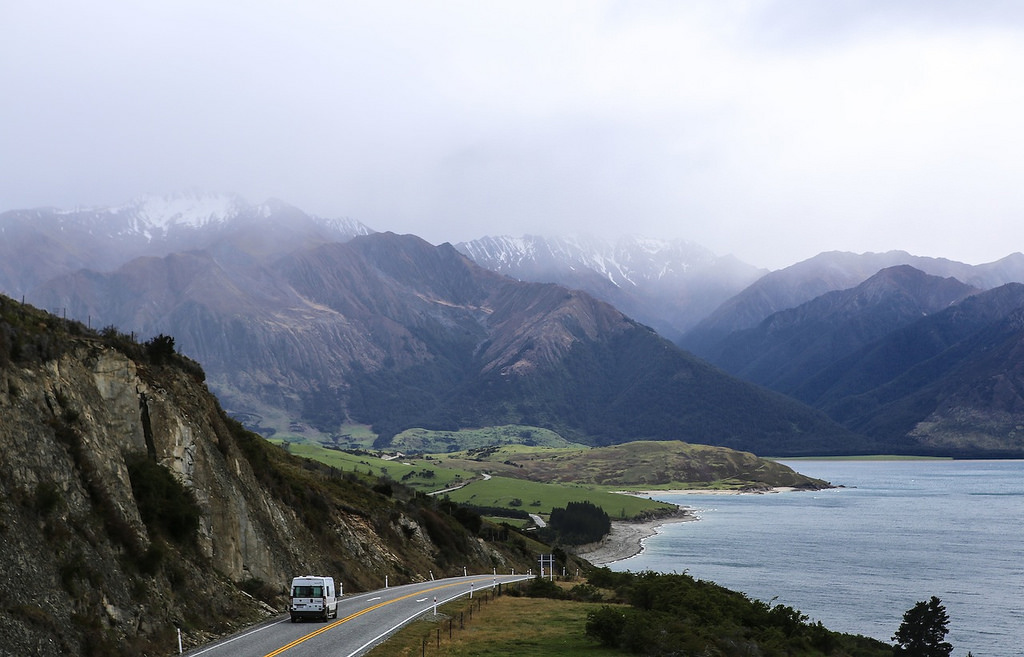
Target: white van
[313,596]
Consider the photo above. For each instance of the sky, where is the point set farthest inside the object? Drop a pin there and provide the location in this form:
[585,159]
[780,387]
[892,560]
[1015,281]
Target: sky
[769,130]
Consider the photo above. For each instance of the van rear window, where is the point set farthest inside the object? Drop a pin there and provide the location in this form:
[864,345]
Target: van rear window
[307,592]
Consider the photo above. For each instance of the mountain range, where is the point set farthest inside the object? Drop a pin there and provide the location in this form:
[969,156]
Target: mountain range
[303,324]
[40,244]
[827,272]
[668,285]
[910,359]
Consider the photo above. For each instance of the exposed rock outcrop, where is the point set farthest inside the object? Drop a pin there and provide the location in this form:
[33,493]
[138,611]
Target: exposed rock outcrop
[88,560]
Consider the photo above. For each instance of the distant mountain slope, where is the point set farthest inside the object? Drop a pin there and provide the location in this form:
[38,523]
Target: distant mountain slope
[827,272]
[43,243]
[791,346]
[668,285]
[950,381]
[390,330]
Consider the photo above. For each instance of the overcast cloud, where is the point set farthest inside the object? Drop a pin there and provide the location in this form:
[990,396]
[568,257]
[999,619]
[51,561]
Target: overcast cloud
[770,130]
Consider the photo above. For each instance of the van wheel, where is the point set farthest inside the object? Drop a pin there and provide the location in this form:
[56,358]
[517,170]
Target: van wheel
[294,619]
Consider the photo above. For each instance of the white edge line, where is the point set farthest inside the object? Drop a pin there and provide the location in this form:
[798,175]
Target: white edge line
[225,642]
[410,618]
[235,638]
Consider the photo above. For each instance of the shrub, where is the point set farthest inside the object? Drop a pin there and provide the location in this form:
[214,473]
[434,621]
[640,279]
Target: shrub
[165,505]
[160,349]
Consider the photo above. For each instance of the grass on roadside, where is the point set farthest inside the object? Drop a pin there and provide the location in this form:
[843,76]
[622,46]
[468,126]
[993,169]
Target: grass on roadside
[507,625]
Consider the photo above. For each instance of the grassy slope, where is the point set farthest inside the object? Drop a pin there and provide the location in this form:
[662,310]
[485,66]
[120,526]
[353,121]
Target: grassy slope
[423,441]
[540,498]
[638,465]
[497,492]
[537,479]
[414,473]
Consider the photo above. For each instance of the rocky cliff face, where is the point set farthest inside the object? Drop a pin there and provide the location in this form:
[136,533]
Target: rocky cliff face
[87,566]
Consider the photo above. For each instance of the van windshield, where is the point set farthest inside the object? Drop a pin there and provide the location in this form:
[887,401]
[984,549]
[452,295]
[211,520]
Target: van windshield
[307,591]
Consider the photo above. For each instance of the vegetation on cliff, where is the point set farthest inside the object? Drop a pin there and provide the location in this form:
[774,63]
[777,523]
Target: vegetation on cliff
[133,506]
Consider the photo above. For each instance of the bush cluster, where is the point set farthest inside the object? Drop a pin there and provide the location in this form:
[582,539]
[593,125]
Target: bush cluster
[672,614]
[577,524]
[165,504]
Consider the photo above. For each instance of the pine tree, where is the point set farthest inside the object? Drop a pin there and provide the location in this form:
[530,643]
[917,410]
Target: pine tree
[923,631]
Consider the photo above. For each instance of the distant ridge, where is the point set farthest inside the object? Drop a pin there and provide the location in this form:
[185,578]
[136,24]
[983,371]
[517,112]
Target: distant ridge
[304,325]
[666,284]
[391,331]
[827,272]
[788,346]
[43,243]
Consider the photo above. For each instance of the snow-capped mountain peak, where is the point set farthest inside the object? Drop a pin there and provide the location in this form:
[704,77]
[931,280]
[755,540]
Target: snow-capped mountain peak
[154,215]
[668,284]
[629,261]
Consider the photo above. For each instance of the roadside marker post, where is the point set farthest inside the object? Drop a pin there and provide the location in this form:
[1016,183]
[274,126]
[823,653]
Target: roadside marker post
[548,559]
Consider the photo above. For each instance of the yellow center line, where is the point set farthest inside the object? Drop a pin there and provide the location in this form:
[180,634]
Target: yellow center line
[364,611]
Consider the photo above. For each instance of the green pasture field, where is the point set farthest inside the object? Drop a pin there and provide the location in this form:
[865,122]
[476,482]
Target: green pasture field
[424,441]
[518,523]
[535,497]
[418,441]
[502,492]
[417,475]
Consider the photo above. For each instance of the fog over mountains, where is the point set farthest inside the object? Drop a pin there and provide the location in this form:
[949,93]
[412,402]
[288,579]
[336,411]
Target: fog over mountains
[39,244]
[304,323]
[668,285]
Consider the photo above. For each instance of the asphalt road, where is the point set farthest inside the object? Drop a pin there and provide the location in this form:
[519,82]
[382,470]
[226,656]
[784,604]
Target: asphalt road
[364,620]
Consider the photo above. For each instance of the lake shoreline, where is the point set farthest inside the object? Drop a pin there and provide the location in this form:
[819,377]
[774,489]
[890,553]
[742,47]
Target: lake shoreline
[627,537]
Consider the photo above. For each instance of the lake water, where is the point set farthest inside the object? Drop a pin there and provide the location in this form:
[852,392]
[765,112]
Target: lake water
[856,558]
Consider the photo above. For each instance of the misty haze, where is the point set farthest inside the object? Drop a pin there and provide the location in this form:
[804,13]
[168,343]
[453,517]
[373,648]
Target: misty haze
[445,296]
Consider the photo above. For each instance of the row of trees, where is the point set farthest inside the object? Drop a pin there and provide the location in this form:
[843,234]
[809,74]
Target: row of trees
[578,523]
